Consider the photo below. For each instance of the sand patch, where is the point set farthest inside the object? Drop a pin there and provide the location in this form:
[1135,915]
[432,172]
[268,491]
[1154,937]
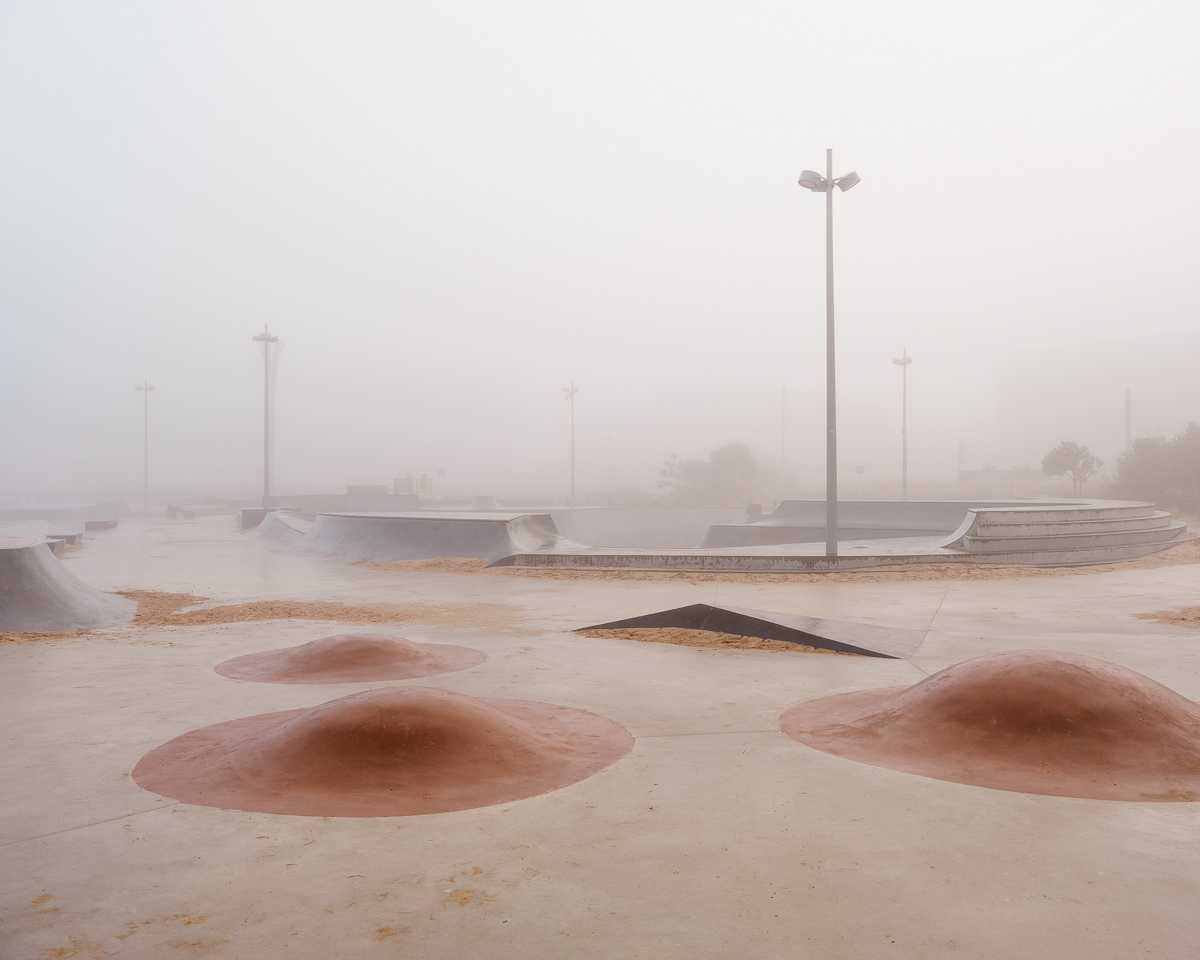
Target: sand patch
[170,610]
[1031,721]
[1184,617]
[351,658]
[187,610]
[400,751]
[708,639]
[35,637]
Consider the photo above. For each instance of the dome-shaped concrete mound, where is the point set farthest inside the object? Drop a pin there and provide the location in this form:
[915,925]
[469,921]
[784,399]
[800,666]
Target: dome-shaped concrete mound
[394,752]
[351,658]
[1032,721]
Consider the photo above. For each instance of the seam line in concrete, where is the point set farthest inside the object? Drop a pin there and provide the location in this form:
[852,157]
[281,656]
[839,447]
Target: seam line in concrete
[709,733]
[928,629]
[84,826]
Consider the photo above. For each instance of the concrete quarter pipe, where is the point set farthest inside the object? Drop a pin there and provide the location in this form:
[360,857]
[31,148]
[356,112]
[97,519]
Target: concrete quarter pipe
[40,595]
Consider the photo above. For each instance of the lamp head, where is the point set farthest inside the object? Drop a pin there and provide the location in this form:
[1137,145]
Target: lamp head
[811,180]
[846,182]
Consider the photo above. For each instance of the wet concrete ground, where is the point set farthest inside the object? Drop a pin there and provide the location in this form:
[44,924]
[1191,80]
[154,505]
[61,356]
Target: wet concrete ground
[716,837]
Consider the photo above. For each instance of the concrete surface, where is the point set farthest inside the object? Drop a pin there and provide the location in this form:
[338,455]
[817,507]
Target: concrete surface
[717,837]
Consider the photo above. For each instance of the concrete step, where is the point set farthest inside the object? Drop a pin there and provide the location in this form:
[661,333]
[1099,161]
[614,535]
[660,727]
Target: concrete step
[1079,541]
[1061,514]
[990,528]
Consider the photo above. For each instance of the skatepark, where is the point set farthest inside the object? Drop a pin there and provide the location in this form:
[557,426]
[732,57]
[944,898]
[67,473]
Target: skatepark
[202,770]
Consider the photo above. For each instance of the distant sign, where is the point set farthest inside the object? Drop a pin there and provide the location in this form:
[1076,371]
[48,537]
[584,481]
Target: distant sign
[424,485]
[860,469]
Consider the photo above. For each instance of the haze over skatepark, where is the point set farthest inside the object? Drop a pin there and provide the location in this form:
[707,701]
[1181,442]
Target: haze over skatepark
[435,520]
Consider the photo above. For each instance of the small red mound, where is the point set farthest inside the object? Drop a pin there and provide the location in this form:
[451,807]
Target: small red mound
[1033,721]
[384,753]
[351,658]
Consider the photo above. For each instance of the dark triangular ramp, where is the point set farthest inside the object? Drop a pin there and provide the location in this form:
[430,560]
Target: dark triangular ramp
[869,641]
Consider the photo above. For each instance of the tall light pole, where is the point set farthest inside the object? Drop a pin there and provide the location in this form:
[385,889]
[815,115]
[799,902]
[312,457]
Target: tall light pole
[145,388]
[266,339]
[903,363]
[811,180]
[569,394]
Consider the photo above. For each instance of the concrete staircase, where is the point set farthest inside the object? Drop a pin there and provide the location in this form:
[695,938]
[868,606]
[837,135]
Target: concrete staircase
[1087,533]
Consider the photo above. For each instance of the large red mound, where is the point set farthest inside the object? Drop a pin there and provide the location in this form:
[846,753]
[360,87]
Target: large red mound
[1033,721]
[351,658]
[384,753]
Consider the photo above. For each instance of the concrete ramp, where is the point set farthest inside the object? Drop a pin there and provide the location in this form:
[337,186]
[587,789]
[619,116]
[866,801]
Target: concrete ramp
[426,536]
[42,528]
[840,635]
[281,527]
[40,595]
[643,527]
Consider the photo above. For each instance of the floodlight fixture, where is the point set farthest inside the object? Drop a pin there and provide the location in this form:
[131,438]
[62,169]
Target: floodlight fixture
[811,180]
[846,182]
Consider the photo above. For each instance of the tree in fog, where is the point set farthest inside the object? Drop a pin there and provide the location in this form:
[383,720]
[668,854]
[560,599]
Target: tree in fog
[727,477]
[1157,469]
[671,476]
[733,473]
[1072,461]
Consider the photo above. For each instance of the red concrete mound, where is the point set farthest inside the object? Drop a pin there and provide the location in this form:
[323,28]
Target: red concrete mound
[351,658]
[384,753]
[1033,721]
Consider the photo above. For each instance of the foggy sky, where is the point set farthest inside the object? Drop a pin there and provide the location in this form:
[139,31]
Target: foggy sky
[448,211]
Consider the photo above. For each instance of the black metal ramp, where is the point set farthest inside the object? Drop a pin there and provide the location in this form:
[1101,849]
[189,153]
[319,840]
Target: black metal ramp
[869,641]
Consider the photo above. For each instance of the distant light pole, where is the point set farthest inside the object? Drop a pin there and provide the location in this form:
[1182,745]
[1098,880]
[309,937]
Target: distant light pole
[569,394]
[903,363]
[1128,420]
[811,180]
[266,339]
[145,388]
[783,443]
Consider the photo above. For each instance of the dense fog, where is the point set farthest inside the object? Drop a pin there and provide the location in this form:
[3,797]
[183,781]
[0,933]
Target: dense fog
[449,212]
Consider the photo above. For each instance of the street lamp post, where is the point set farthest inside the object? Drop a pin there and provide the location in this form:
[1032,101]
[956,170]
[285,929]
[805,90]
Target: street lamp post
[811,180]
[145,388]
[903,363]
[569,394]
[266,339]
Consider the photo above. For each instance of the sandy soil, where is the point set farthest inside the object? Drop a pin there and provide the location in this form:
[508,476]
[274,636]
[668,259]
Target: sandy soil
[1186,553]
[1184,617]
[709,639]
[35,637]
[187,610]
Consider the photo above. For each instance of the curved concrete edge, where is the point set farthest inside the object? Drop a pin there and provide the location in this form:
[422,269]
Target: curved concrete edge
[949,522]
[280,527]
[818,563]
[355,538]
[40,595]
